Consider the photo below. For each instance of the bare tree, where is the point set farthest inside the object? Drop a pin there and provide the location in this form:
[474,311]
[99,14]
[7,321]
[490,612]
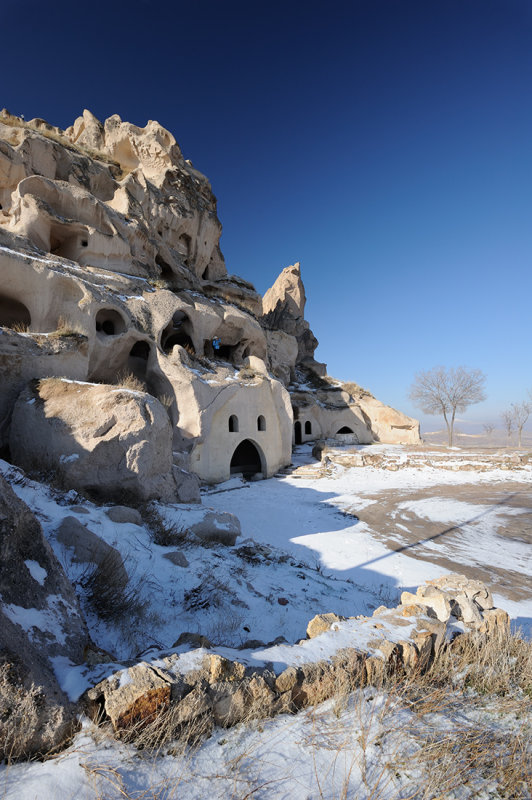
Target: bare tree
[520,413]
[508,422]
[447,392]
[489,427]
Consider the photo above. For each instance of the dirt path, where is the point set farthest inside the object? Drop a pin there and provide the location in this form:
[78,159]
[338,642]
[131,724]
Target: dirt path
[501,527]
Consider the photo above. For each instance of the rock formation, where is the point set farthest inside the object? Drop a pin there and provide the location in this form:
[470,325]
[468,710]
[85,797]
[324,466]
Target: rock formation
[112,273]
[41,628]
[206,688]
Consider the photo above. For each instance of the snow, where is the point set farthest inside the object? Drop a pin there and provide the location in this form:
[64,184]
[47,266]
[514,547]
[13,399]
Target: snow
[37,572]
[302,540]
[33,619]
[67,459]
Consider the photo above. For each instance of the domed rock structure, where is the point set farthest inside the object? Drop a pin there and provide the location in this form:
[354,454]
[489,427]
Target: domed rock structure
[112,274]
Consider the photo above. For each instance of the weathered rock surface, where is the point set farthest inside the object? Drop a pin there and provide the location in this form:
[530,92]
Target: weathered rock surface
[283,308]
[91,549]
[217,526]
[124,515]
[113,443]
[40,624]
[110,265]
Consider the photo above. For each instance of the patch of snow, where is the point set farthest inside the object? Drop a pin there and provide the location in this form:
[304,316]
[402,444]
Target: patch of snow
[68,459]
[37,572]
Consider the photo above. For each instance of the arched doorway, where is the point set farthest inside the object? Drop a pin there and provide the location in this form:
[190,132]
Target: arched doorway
[297,432]
[345,429]
[246,459]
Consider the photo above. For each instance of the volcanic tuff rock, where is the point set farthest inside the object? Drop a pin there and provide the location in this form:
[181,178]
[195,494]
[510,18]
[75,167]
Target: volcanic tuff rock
[111,266]
[40,625]
[109,441]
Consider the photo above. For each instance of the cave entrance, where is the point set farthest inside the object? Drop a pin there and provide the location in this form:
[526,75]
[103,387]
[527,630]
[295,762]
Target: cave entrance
[109,322]
[137,361]
[246,459]
[297,432]
[345,429]
[68,242]
[14,314]
[178,332]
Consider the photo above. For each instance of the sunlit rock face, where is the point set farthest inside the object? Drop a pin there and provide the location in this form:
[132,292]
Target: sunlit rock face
[112,273]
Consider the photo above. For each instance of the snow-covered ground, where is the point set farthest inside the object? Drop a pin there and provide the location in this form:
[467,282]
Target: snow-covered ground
[303,551]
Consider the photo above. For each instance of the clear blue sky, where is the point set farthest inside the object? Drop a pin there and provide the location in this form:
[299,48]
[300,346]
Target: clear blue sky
[385,144]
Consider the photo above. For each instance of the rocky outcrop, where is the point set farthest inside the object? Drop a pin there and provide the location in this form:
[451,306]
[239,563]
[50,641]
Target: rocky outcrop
[205,689]
[110,442]
[111,267]
[323,407]
[283,309]
[41,631]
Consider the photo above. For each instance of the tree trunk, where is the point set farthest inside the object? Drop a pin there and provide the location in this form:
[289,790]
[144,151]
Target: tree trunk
[449,429]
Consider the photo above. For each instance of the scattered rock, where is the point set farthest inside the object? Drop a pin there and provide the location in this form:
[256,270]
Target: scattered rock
[321,623]
[124,514]
[220,527]
[90,549]
[194,640]
[177,558]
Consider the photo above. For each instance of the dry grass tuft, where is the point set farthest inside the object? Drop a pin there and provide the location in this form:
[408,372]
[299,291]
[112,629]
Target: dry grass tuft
[66,328]
[127,380]
[162,532]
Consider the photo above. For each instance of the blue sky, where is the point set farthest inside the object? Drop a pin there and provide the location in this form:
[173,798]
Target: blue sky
[385,144]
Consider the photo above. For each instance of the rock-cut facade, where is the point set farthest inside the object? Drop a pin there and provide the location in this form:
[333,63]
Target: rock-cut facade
[126,348]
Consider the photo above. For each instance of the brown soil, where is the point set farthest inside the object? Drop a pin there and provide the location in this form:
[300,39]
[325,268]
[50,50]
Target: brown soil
[440,543]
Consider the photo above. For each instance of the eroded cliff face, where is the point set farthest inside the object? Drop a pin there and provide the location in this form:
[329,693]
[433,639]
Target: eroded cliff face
[323,407]
[112,273]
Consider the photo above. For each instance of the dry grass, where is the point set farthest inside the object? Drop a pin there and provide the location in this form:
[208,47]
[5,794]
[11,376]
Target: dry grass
[110,596]
[67,328]
[161,532]
[463,729]
[20,327]
[127,380]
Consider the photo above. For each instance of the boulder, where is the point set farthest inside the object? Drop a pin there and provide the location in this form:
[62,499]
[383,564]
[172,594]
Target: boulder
[91,549]
[107,441]
[124,515]
[41,626]
[219,527]
[431,597]
[456,584]
[132,697]
[177,557]
[321,623]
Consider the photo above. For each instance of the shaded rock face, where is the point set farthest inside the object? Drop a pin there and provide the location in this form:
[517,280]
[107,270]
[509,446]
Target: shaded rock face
[113,443]
[283,308]
[40,624]
[323,407]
